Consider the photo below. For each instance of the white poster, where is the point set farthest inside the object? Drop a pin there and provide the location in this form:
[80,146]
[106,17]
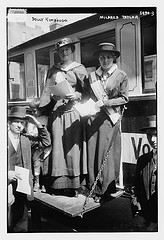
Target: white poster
[133,145]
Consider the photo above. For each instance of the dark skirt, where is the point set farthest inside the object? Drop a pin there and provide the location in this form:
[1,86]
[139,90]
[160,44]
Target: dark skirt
[67,162]
[100,133]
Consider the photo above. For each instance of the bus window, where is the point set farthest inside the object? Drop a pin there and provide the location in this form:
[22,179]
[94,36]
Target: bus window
[16,75]
[149,54]
[89,46]
[42,66]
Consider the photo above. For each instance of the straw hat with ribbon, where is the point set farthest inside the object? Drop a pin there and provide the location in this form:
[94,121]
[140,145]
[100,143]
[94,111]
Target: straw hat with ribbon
[107,47]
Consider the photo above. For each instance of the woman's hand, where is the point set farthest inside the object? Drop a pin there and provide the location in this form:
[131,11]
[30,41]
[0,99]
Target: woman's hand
[71,96]
[99,104]
[13,176]
[54,97]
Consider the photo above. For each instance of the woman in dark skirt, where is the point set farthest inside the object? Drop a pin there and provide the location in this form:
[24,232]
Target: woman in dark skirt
[109,88]
[67,164]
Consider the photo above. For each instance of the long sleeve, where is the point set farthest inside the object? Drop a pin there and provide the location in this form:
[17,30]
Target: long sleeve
[45,100]
[118,95]
[81,75]
[88,93]
[43,139]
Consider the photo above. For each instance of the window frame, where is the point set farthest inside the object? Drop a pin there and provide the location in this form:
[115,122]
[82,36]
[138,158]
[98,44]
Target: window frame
[145,58]
[8,77]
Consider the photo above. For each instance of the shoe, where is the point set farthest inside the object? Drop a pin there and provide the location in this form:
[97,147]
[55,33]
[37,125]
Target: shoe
[36,184]
[83,190]
[43,189]
[36,187]
[97,199]
[71,192]
[76,193]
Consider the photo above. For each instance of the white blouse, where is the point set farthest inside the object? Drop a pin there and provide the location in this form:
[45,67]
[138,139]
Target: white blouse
[14,140]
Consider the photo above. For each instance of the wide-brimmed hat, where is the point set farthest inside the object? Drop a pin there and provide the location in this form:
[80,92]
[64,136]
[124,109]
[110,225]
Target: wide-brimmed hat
[17,112]
[64,42]
[107,47]
[151,123]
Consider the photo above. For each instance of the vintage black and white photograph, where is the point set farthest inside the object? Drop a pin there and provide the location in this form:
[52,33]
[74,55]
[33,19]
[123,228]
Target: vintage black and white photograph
[82,153]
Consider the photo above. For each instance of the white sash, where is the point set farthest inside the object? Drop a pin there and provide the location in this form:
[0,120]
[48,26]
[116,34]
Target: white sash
[102,95]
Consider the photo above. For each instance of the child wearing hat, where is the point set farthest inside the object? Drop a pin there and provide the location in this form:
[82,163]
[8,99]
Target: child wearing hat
[39,153]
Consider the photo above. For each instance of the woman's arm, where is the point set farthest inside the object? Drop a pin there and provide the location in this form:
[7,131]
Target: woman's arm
[81,75]
[122,96]
[47,101]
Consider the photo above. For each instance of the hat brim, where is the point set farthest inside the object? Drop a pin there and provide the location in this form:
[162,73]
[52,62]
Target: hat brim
[146,128]
[19,117]
[56,49]
[117,53]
